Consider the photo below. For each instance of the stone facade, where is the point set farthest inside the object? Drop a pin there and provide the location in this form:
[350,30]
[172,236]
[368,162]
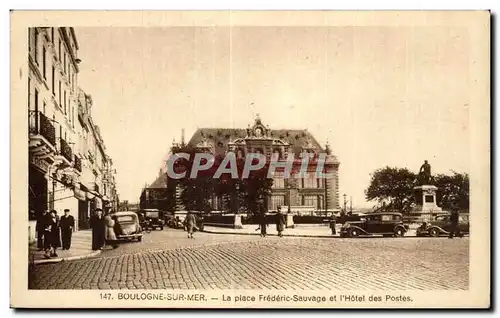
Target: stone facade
[58,162]
[298,193]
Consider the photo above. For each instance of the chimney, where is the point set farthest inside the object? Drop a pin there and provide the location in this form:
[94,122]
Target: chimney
[182,137]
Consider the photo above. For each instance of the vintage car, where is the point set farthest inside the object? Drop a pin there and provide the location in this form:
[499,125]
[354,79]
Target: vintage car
[127,226]
[441,225]
[379,223]
[152,219]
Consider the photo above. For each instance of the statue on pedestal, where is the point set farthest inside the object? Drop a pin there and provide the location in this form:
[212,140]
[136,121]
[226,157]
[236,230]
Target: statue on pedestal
[424,175]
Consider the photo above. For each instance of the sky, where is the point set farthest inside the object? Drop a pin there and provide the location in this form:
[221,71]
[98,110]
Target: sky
[379,95]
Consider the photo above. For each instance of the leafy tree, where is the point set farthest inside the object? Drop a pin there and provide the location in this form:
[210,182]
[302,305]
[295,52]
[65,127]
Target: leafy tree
[453,190]
[393,186]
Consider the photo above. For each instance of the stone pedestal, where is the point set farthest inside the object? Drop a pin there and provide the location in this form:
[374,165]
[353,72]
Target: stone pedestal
[289,221]
[425,200]
[237,222]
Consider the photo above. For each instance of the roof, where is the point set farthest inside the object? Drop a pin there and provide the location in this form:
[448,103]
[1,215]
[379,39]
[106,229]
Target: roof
[220,137]
[159,183]
[124,213]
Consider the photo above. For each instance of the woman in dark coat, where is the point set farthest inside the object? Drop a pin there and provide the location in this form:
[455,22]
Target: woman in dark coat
[52,237]
[98,225]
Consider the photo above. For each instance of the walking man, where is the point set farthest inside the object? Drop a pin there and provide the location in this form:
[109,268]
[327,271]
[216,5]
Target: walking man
[67,224]
[333,225]
[280,222]
[190,223]
[98,225]
[454,223]
[262,221]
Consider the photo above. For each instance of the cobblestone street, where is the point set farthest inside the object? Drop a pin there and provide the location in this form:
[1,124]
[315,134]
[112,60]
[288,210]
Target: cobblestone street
[167,259]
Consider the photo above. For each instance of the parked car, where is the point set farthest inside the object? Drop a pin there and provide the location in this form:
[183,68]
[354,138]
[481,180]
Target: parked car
[441,225]
[152,219]
[127,226]
[379,223]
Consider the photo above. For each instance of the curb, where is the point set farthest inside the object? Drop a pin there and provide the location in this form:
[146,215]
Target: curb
[66,259]
[300,235]
[257,234]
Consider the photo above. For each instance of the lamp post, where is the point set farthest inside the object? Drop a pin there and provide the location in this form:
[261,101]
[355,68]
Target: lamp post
[237,198]
[289,188]
[345,203]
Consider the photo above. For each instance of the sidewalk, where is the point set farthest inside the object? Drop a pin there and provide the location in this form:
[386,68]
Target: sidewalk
[298,231]
[81,247]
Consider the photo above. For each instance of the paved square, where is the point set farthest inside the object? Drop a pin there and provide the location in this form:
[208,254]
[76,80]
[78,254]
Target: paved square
[169,260]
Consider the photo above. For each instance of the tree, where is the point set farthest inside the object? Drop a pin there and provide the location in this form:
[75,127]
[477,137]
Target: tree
[395,186]
[453,190]
[392,185]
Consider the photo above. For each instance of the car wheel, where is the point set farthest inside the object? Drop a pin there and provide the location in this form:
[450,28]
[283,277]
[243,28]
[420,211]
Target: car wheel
[139,239]
[161,228]
[353,233]
[399,232]
[434,232]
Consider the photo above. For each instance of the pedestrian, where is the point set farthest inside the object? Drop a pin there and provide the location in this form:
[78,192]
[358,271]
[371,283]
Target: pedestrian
[454,223]
[280,222]
[190,222]
[67,224]
[52,239]
[40,229]
[110,231]
[262,221]
[98,225]
[333,225]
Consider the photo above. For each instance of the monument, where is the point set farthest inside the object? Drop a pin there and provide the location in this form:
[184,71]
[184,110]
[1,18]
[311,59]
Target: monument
[425,194]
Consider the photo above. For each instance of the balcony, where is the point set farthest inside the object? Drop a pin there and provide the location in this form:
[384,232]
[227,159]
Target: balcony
[42,135]
[66,150]
[78,164]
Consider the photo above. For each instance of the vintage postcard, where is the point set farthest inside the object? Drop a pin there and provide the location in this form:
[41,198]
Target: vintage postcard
[250,159]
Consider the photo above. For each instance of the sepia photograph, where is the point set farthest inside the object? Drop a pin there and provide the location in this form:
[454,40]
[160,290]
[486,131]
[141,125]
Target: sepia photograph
[250,159]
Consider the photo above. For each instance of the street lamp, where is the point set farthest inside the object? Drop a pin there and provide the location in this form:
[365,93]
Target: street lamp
[237,198]
[345,203]
[289,188]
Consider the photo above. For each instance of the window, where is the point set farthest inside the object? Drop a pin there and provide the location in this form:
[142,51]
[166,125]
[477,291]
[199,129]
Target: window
[65,109]
[429,199]
[60,104]
[44,63]
[29,92]
[310,181]
[310,200]
[278,180]
[59,55]
[52,34]
[64,65]
[386,217]
[36,46]
[36,99]
[53,81]
[277,200]
[44,107]
[29,40]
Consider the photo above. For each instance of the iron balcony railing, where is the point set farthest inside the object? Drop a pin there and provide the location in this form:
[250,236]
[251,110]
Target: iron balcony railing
[66,151]
[78,164]
[39,124]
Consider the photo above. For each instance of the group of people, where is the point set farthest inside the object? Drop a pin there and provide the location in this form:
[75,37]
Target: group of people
[54,231]
[105,229]
[280,223]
